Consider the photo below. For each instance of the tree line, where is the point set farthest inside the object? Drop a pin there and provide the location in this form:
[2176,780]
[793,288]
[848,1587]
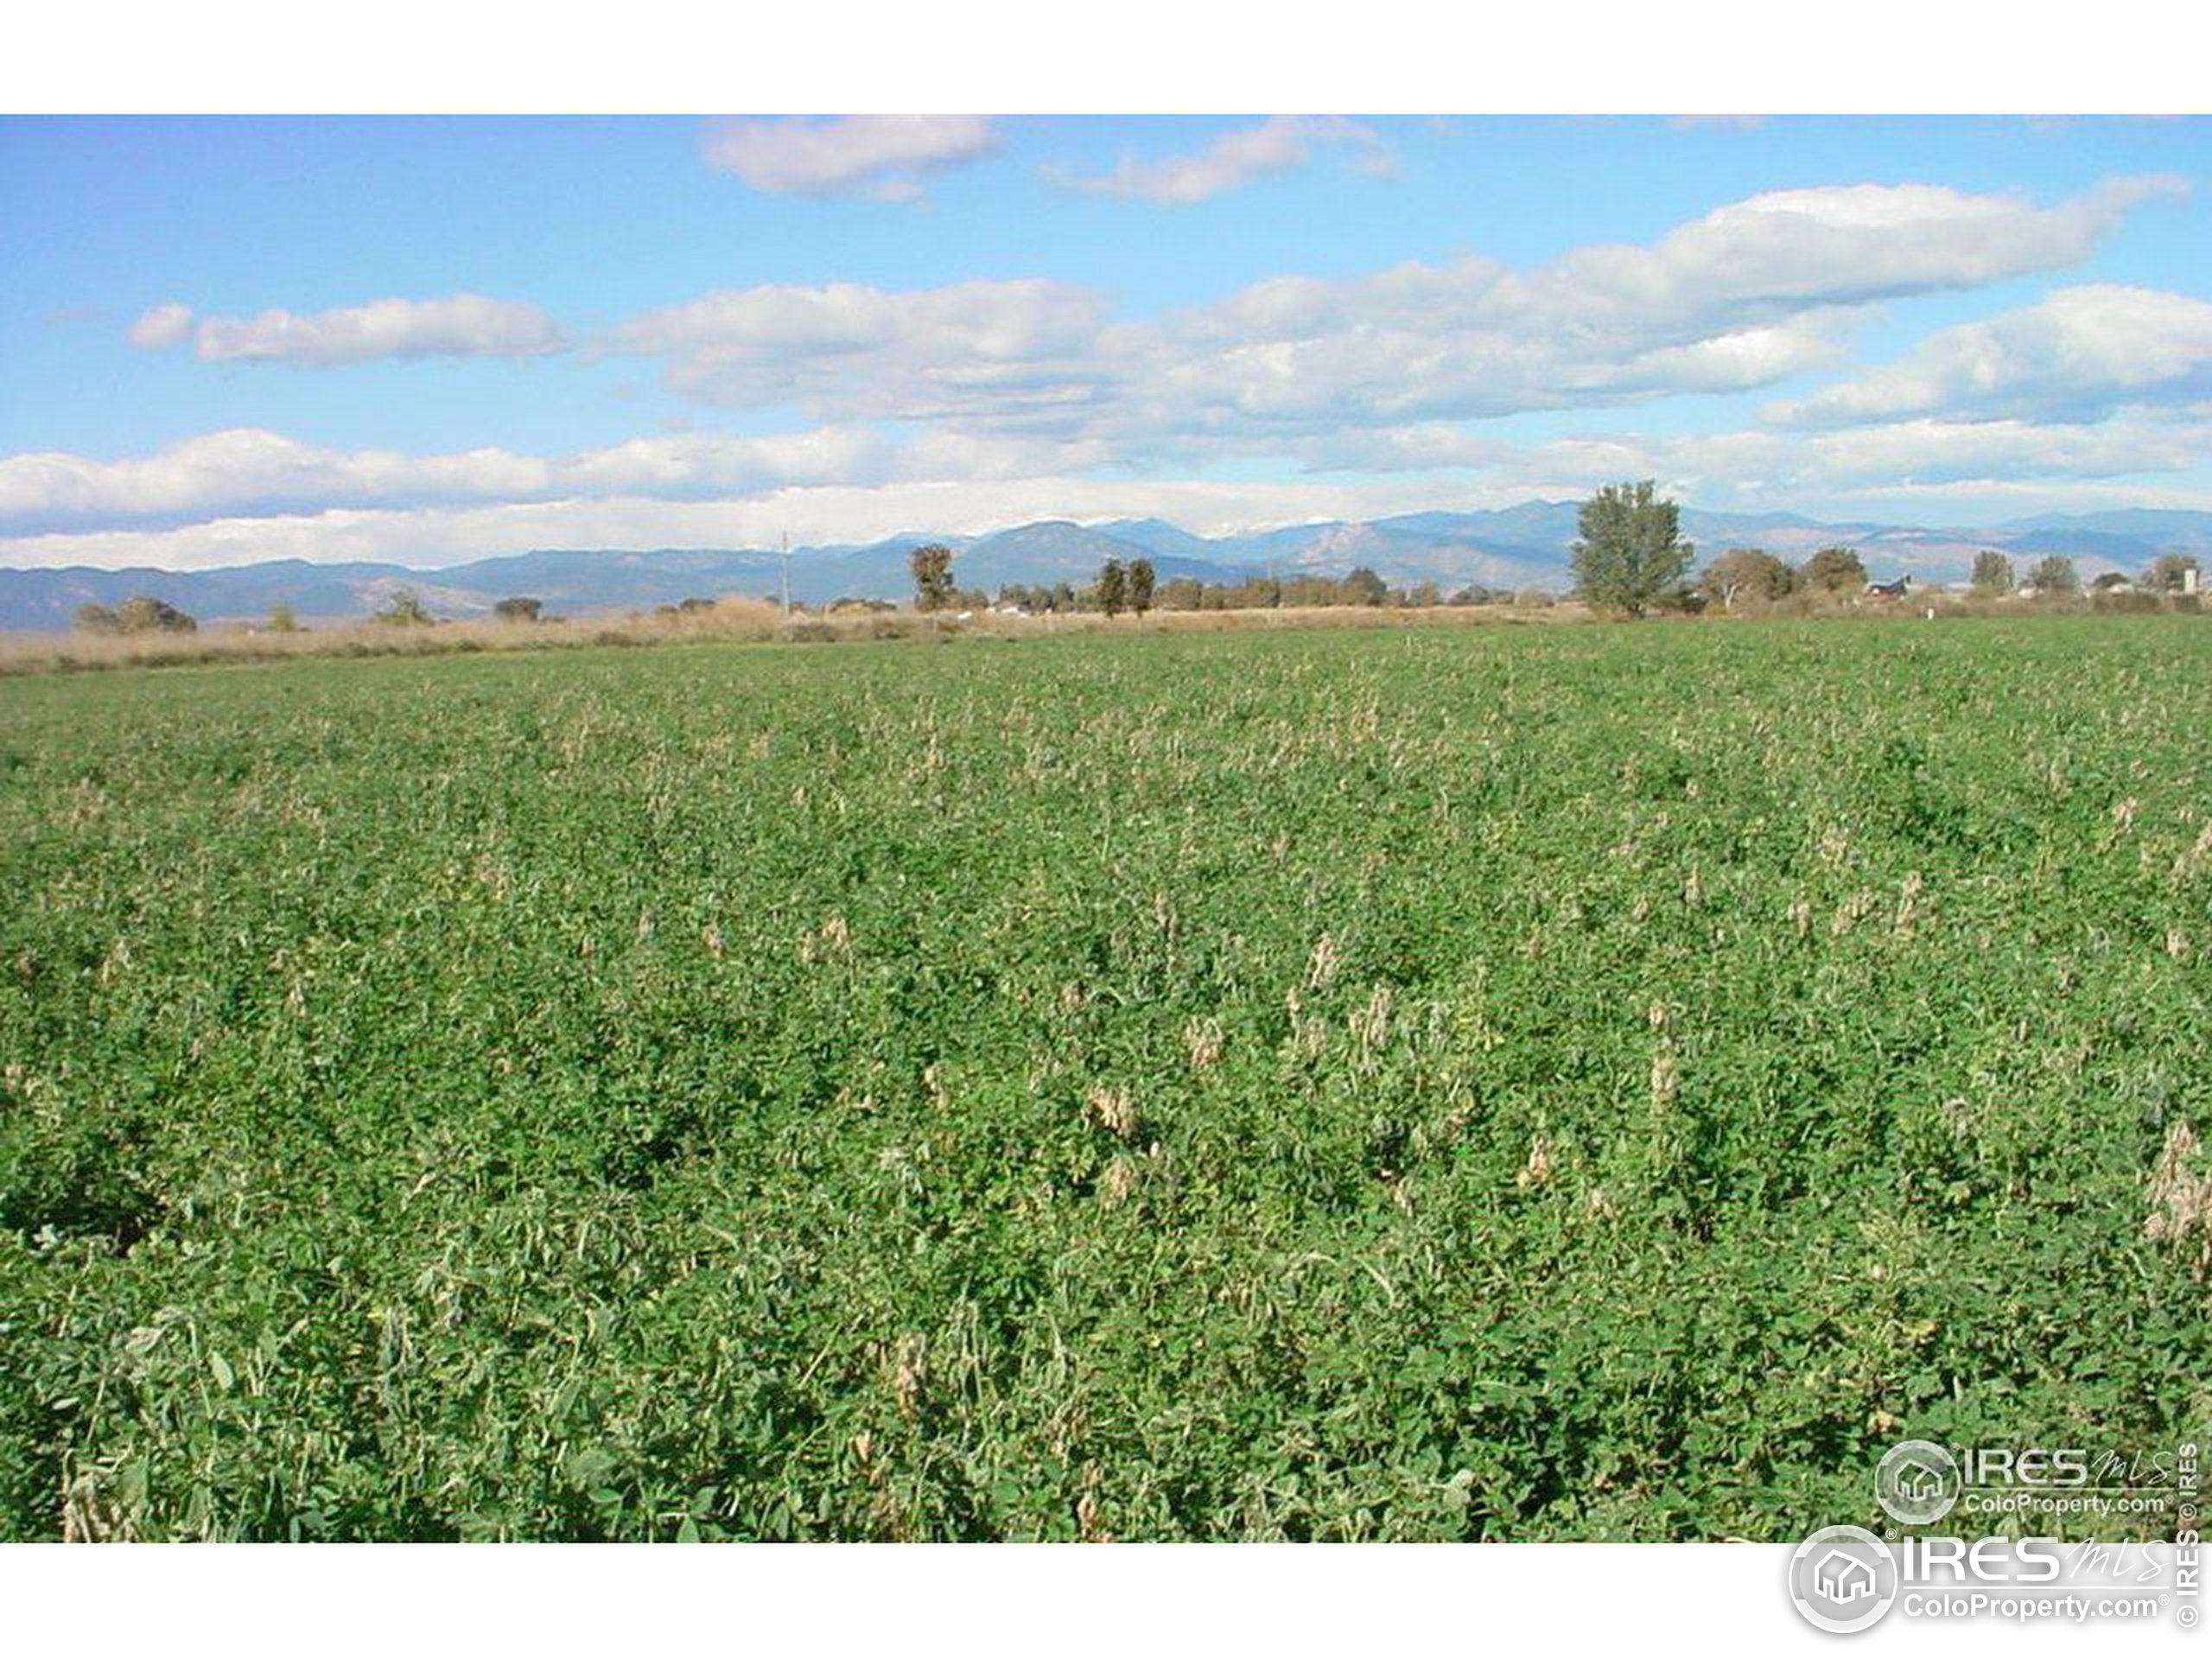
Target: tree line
[1134,586]
[1631,556]
[402,608]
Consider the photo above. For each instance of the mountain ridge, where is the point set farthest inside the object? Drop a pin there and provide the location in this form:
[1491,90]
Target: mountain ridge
[1524,545]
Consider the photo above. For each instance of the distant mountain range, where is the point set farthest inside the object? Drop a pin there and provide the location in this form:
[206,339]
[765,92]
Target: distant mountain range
[1510,547]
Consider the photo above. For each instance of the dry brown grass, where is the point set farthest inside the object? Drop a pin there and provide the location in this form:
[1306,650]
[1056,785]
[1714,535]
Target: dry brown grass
[1946,604]
[1112,1110]
[744,620]
[2181,1199]
[760,622]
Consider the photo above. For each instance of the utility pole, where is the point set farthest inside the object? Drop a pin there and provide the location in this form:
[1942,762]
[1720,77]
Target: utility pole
[787,576]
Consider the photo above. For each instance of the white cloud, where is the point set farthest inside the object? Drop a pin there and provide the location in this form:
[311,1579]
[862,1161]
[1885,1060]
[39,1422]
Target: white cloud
[2080,353]
[1419,447]
[1237,158]
[161,326]
[710,465]
[882,155]
[944,454]
[1785,467]
[231,497]
[227,471]
[1744,297]
[1927,452]
[986,401]
[250,473]
[1773,255]
[464,324]
[1002,349]
[431,537]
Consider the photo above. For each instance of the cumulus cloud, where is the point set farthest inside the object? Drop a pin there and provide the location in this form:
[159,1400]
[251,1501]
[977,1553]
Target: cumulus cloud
[1237,158]
[247,473]
[306,494]
[986,401]
[1743,297]
[228,472]
[464,325]
[1889,460]
[1923,452]
[1003,350]
[1715,471]
[250,473]
[1775,255]
[161,326]
[231,497]
[882,155]
[2079,353]
[1421,446]
[430,537]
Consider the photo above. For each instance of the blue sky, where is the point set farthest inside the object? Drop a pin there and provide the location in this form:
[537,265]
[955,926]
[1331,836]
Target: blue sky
[435,339]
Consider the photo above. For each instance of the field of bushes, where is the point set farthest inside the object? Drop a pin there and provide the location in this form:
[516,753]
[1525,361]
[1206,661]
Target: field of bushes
[1445,1084]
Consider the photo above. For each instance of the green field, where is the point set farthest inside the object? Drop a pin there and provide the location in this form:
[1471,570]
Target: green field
[1584,1083]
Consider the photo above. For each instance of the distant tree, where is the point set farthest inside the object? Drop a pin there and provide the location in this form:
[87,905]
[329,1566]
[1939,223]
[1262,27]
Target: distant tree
[1062,597]
[2055,575]
[143,614]
[1141,583]
[2108,582]
[1746,573]
[404,609]
[281,619]
[2169,573]
[1113,587]
[1181,594]
[1835,570]
[1362,586]
[1630,550]
[96,619]
[1992,572]
[931,565]
[519,609]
